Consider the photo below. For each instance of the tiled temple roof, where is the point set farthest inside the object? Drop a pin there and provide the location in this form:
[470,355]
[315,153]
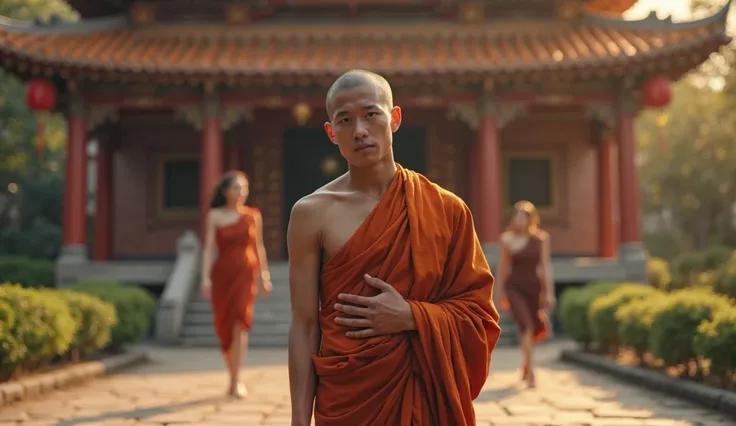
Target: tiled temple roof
[110,49]
[96,8]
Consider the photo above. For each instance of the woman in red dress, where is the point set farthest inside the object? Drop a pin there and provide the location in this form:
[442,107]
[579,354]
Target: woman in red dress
[526,285]
[234,237]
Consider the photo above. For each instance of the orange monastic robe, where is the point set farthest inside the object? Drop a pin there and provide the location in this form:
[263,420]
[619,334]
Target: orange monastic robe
[420,239]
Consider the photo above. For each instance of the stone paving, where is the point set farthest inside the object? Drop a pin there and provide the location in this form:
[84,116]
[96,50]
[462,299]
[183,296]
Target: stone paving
[185,386]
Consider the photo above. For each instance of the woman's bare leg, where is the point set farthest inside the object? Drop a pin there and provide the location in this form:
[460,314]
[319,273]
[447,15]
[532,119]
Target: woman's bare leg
[527,348]
[236,353]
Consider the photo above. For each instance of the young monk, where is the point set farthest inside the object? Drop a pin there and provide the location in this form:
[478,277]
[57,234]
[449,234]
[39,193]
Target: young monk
[393,322]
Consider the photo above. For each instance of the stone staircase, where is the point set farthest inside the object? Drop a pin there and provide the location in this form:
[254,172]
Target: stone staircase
[271,319]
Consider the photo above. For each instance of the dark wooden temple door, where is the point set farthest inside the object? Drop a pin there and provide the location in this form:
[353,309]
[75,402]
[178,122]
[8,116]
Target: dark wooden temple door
[311,161]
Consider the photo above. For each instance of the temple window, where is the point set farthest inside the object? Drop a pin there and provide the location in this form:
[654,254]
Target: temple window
[532,176]
[178,186]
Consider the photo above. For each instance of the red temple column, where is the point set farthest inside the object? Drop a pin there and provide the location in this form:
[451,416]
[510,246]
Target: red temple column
[75,184]
[488,169]
[607,244]
[627,174]
[103,203]
[211,157]
[474,193]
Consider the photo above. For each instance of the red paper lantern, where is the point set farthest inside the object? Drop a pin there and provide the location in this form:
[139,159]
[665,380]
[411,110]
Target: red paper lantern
[656,92]
[40,96]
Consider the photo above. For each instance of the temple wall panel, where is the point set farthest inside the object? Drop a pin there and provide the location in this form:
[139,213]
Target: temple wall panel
[573,221]
[140,229]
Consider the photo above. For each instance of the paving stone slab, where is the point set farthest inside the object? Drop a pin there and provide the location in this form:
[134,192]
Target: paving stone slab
[36,385]
[703,395]
[186,387]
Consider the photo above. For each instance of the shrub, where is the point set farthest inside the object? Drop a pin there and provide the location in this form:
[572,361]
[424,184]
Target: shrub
[658,271]
[716,341]
[635,321]
[27,272]
[574,306]
[11,350]
[724,281]
[43,324]
[95,317]
[39,240]
[714,257]
[134,307]
[676,323]
[685,269]
[602,313]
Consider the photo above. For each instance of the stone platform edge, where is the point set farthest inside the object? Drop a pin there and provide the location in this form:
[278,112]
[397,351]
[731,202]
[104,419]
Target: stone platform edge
[36,385]
[706,396]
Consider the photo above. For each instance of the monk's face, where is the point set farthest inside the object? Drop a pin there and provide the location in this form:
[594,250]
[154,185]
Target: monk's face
[362,125]
[237,192]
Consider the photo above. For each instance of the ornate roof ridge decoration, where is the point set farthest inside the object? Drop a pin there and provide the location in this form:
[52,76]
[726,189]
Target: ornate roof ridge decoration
[653,23]
[84,26]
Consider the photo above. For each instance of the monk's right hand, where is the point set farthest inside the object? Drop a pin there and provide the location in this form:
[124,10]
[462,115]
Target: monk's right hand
[206,289]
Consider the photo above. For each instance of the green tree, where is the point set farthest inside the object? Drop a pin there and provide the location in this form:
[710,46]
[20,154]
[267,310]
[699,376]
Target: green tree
[37,180]
[687,156]
[19,125]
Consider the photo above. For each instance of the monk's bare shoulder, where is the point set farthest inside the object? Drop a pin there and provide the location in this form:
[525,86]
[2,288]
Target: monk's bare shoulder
[310,209]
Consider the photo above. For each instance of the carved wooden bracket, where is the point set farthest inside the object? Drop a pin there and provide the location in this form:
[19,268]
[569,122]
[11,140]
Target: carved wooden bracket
[467,113]
[604,112]
[229,116]
[99,115]
[471,114]
[509,113]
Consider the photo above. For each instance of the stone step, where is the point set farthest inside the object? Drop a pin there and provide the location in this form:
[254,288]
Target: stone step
[268,310]
[261,317]
[254,341]
[208,329]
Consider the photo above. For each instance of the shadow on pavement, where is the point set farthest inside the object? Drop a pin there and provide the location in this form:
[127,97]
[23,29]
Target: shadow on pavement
[140,414]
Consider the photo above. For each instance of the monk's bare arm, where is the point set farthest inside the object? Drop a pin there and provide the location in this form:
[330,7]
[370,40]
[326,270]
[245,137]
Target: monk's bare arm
[304,336]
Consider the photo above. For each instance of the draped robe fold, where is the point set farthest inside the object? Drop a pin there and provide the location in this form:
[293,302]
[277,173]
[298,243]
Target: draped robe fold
[420,239]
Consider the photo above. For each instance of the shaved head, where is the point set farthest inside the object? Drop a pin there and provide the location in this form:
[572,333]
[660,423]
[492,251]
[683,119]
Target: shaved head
[358,78]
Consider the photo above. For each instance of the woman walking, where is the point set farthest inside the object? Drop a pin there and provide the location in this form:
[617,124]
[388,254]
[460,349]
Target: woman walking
[526,286]
[234,236]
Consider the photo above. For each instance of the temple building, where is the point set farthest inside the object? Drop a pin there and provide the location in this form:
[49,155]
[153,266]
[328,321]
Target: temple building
[503,100]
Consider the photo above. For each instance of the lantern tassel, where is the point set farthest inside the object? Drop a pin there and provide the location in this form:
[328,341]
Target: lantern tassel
[39,138]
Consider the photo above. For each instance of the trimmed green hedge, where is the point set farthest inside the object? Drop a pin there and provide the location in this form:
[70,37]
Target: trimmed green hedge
[716,341]
[27,272]
[573,309]
[134,306]
[635,321]
[677,321]
[96,319]
[679,328]
[38,326]
[602,313]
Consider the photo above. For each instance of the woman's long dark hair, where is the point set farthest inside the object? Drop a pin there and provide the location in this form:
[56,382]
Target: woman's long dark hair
[218,197]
